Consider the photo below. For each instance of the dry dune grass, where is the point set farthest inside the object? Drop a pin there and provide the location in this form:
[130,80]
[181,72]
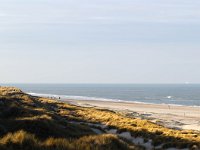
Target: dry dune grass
[137,127]
[33,123]
[143,128]
[47,124]
[24,140]
[9,91]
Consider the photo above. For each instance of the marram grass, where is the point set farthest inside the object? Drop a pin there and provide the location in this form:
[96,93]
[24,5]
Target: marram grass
[28,122]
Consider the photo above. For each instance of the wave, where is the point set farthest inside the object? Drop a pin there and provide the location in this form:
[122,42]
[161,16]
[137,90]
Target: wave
[71,97]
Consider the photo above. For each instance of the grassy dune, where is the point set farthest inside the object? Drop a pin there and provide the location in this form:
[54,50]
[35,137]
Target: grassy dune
[28,122]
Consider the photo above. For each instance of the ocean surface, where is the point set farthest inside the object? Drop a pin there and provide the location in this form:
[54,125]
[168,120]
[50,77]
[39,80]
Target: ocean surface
[178,94]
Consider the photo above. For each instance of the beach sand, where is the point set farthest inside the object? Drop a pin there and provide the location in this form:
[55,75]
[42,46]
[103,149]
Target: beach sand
[171,116]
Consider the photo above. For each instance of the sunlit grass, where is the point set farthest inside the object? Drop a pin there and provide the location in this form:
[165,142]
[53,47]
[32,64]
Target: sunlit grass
[22,139]
[41,123]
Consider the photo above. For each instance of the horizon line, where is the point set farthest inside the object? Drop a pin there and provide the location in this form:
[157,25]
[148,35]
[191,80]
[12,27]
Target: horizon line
[97,83]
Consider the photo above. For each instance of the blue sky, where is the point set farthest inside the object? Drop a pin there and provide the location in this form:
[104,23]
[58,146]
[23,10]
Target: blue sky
[99,41]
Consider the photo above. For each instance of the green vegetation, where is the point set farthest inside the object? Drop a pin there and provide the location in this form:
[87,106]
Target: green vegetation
[28,122]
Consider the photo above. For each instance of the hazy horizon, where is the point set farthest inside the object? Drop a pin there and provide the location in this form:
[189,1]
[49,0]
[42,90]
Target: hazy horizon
[130,41]
[54,83]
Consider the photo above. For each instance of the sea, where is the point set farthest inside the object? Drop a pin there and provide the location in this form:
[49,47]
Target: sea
[175,94]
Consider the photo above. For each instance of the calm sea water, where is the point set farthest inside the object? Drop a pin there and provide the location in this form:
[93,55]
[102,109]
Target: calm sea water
[179,94]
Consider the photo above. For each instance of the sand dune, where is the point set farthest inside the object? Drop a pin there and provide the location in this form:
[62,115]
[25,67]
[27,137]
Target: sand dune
[183,117]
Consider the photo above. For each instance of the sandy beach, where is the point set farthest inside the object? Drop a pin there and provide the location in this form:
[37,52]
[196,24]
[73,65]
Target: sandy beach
[178,117]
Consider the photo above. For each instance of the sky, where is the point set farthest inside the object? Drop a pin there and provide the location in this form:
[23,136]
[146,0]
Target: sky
[99,41]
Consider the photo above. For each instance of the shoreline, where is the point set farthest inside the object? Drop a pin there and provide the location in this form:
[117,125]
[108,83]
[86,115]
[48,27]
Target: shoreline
[171,116]
[84,98]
